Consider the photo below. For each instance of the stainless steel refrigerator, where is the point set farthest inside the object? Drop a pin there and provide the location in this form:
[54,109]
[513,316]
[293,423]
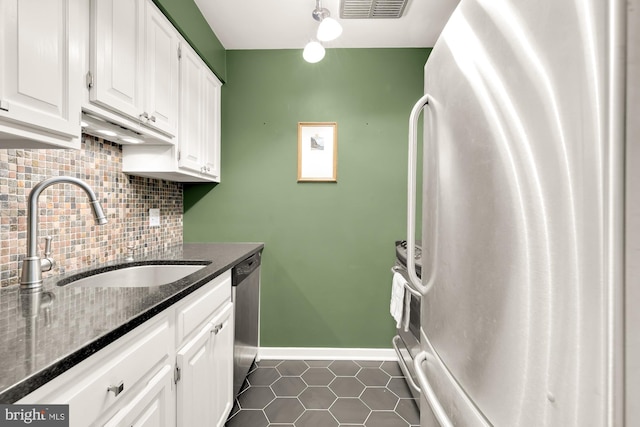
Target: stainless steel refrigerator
[523,226]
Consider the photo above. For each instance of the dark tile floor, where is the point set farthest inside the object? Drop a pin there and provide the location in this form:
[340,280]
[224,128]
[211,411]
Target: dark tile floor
[324,393]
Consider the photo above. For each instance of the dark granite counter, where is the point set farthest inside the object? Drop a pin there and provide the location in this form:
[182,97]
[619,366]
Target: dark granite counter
[44,334]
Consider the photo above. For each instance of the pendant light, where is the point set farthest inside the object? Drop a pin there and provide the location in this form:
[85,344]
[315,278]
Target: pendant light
[313,52]
[329,29]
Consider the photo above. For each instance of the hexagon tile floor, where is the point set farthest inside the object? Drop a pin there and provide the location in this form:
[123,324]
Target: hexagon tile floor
[324,393]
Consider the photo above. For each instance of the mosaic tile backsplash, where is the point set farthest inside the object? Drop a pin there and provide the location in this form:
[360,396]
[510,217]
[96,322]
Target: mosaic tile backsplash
[64,212]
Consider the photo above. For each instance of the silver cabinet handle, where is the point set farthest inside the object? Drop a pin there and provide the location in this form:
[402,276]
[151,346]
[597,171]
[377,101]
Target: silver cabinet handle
[220,326]
[153,119]
[403,366]
[427,391]
[116,389]
[144,115]
[411,194]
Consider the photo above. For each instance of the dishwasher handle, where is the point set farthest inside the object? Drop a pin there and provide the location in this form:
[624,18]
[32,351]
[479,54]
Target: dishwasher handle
[245,268]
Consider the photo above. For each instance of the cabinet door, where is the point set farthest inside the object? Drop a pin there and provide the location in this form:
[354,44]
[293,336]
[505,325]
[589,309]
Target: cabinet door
[161,72]
[190,133]
[39,66]
[195,386]
[211,125]
[152,407]
[117,55]
[222,355]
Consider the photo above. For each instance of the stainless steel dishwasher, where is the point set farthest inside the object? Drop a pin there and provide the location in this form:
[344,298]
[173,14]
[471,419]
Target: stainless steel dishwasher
[245,294]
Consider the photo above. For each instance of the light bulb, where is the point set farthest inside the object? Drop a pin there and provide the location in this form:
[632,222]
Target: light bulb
[313,52]
[329,29]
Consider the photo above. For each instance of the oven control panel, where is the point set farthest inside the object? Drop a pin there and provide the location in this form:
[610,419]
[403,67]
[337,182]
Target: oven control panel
[401,254]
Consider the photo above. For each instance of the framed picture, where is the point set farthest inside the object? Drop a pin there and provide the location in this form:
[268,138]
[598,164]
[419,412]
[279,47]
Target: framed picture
[317,151]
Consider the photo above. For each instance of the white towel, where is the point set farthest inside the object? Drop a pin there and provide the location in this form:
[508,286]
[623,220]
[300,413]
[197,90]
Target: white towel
[397,298]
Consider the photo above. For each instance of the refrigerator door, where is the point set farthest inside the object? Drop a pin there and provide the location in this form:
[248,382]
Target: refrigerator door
[517,209]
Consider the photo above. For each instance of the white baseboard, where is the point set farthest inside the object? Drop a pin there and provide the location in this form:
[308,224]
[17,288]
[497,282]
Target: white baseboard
[325,353]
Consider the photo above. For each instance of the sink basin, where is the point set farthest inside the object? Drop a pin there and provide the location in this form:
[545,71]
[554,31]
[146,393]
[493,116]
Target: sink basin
[138,276]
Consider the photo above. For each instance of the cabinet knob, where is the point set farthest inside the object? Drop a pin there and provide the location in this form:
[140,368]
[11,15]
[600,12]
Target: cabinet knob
[144,115]
[153,119]
[116,389]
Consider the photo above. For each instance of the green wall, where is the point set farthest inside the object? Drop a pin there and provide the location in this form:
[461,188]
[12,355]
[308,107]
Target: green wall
[326,279]
[187,18]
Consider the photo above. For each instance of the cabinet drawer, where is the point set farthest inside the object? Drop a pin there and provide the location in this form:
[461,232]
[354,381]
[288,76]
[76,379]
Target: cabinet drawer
[85,387]
[199,306]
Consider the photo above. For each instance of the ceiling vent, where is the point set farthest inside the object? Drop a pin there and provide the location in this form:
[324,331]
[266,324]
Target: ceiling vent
[372,9]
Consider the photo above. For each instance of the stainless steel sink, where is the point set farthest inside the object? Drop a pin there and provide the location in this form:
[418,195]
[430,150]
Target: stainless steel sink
[137,276]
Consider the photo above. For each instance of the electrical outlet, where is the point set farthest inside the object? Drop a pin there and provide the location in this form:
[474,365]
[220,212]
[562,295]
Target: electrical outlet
[154,217]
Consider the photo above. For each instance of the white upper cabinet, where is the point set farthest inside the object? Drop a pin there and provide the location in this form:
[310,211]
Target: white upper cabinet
[39,74]
[116,55]
[196,156]
[211,125]
[199,131]
[134,62]
[191,114]
[161,71]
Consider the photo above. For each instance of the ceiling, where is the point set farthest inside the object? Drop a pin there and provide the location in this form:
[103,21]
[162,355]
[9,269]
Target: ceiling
[287,24]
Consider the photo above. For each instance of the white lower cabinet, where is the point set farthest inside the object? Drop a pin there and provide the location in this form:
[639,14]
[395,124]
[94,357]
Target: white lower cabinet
[174,369]
[152,407]
[205,364]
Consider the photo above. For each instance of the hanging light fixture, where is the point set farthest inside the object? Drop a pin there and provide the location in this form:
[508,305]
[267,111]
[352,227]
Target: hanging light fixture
[329,29]
[313,52]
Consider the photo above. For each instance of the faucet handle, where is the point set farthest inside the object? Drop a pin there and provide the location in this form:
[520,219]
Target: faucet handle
[47,246]
[47,263]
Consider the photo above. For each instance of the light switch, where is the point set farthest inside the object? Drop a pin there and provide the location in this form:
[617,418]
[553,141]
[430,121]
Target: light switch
[154,217]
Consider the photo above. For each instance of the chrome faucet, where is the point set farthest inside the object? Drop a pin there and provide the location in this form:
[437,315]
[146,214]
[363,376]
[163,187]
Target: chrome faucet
[33,265]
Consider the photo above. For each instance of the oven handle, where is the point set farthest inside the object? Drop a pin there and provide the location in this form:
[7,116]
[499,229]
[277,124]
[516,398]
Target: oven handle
[403,365]
[407,286]
[431,397]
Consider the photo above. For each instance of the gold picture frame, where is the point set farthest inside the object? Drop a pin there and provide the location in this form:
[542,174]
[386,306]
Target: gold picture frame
[317,152]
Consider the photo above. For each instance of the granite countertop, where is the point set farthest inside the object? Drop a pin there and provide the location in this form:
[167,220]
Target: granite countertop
[37,344]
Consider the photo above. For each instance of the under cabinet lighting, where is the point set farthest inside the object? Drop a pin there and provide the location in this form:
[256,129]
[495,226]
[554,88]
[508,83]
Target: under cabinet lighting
[102,128]
[107,132]
[132,140]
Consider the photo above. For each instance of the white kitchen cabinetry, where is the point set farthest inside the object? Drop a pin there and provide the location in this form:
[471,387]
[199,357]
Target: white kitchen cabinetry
[107,381]
[199,133]
[39,74]
[196,156]
[222,356]
[205,360]
[134,63]
[152,407]
[176,368]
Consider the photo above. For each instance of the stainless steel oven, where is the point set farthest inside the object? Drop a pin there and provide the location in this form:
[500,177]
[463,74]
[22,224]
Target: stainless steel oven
[406,342]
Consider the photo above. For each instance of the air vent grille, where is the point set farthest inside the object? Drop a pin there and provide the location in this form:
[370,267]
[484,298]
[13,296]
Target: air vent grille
[372,9]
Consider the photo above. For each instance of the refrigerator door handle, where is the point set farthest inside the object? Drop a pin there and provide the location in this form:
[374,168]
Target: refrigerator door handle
[411,195]
[427,391]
